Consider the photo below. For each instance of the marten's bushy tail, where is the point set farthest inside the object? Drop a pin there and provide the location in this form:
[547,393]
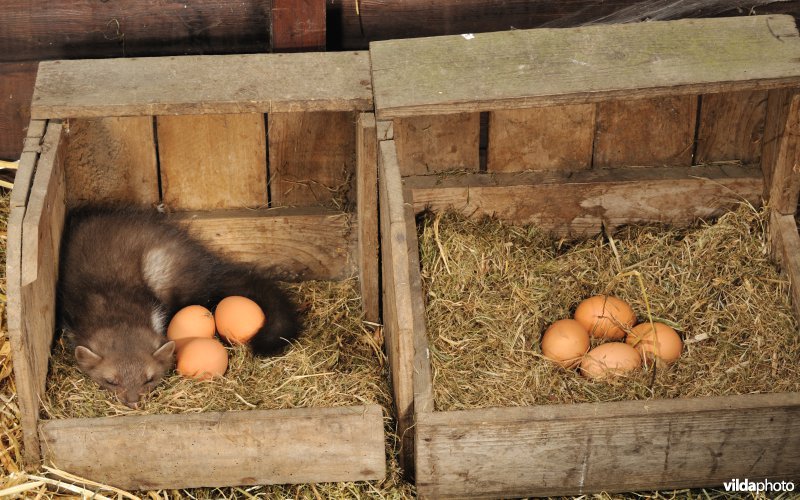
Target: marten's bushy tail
[282,324]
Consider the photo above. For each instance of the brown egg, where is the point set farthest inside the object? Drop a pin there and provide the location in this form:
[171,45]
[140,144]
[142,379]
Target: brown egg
[605,316]
[664,343]
[238,319]
[191,321]
[202,358]
[565,342]
[610,359]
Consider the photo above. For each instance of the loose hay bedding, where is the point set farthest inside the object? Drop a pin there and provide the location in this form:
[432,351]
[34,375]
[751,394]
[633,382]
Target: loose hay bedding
[492,289]
[337,361]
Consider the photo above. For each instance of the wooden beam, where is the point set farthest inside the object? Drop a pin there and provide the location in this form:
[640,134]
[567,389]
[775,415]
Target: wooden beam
[34,284]
[575,448]
[786,251]
[203,84]
[302,445]
[297,25]
[367,215]
[112,160]
[785,187]
[299,244]
[528,68]
[579,203]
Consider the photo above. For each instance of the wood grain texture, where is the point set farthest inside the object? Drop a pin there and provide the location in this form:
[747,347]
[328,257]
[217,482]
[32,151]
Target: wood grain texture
[304,445]
[298,244]
[573,449]
[50,29]
[213,161]
[398,311]
[112,160]
[731,127]
[23,369]
[550,138]
[430,144]
[786,250]
[777,112]
[785,188]
[645,132]
[527,68]
[31,337]
[367,216]
[203,84]
[311,158]
[16,90]
[297,25]
[578,203]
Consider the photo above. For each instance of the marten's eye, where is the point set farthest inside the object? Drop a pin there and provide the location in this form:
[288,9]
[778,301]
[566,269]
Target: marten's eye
[149,380]
[110,382]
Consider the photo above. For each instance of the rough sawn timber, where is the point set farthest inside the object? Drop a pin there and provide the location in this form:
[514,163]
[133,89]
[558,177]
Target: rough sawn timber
[263,83]
[623,446]
[147,452]
[528,68]
[578,203]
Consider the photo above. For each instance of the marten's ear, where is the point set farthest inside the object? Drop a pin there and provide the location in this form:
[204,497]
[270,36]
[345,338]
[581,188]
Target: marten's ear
[86,358]
[164,353]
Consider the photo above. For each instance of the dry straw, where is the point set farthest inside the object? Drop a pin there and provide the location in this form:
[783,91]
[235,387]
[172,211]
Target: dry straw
[714,283]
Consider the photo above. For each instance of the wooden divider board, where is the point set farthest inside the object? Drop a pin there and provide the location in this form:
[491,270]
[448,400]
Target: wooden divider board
[34,285]
[225,84]
[731,126]
[579,203]
[549,138]
[300,244]
[367,216]
[640,132]
[431,144]
[311,158]
[20,346]
[786,251]
[149,452]
[785,157]
[213,161]
[529,68]
[112,160]
[623,446]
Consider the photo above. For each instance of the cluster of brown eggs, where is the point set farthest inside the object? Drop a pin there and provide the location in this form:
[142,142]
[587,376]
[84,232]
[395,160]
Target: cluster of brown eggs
[200,355]
[567,341]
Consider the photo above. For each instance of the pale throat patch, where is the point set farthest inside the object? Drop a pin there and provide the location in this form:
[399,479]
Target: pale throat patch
[157,268]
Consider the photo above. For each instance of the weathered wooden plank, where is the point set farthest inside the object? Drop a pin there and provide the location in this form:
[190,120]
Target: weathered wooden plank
[301,445]
[645,132]
[367,215]
[311,158]
[203,84]
[785,179]
[777,113]
[430,144]
[31,336]
[578,203]
[213,161]
[398,313]
[112,160]
[551,138]
[300,244]
[527,68]
[50,29]
[731,127]
[786,250]
[573,449]
[23,369]
[16,89]
[297,25]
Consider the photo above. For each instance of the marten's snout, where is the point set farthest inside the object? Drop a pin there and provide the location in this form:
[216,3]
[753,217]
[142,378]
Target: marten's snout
[129,398]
